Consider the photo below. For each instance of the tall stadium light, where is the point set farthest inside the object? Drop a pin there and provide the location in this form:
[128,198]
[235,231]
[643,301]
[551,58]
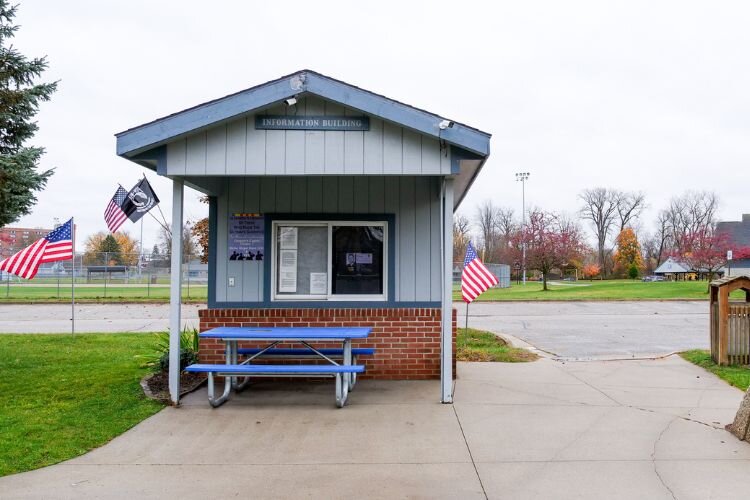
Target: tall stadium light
[522,177]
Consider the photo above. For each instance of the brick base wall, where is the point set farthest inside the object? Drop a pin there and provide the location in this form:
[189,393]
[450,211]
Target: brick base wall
[407,341]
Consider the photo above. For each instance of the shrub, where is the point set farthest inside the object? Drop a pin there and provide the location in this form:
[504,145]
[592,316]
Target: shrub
[159,361]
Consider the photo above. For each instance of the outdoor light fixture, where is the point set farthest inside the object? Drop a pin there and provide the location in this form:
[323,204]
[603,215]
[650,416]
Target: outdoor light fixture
[445,124]
[291,101]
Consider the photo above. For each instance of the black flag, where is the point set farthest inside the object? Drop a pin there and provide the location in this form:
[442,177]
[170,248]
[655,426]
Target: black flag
[139,201]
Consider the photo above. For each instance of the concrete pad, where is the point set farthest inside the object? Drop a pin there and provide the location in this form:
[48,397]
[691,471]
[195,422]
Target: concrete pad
[500,434]
[684,440]
[610,480]
[243,434]
[533,430]
[335,481]
[701,479]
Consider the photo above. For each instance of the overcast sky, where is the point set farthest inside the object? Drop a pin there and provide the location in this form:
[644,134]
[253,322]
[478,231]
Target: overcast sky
[637,95]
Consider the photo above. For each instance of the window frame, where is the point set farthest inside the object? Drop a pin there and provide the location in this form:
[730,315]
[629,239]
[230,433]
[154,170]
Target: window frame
[329,296]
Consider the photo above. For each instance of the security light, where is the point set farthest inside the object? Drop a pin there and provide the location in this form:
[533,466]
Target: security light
[291,101]
[445,124]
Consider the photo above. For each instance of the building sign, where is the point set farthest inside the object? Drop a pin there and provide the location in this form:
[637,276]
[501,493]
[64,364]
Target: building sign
[282,122]
[246,237]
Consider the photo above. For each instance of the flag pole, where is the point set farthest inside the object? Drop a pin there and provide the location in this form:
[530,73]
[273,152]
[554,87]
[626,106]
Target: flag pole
[73,282]
[466,327]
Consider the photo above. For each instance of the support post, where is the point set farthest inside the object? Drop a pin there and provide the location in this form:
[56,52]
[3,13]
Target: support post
[175,291]
[724,326]
[446,338]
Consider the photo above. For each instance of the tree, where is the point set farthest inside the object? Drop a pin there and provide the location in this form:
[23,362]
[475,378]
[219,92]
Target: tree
[486,219]
[461,236]
[629,207]
[600,207]
[591,271]
[551,242]
[628,252]
[633,271]
[199,231]
[19,103]
[704,250]
[188,244]
[690,214]
[98,244]
[111,250]
[606,208]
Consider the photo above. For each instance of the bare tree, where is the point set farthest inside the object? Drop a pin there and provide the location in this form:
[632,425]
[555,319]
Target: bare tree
[506,222]
[486,220]
[461,236]
[600,207]
[629,207]
[693,212]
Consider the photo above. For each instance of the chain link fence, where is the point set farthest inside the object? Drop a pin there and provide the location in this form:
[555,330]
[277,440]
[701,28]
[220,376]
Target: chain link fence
[109,275]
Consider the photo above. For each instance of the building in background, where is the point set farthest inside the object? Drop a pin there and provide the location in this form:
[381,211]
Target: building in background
[13,239]
[738,233]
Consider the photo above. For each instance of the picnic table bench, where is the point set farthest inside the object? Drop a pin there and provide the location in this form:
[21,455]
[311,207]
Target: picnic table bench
[344,372]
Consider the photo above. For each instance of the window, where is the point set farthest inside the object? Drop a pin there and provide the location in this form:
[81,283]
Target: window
[329,260]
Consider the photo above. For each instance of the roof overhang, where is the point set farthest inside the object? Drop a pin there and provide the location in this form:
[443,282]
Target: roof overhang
[149,135]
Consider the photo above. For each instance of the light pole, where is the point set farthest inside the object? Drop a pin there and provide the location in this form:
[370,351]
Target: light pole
[522,177]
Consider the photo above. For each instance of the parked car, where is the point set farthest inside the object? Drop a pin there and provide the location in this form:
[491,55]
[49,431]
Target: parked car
[652,278]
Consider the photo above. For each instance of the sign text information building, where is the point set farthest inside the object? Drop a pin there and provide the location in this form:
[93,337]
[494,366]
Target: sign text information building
[281,122]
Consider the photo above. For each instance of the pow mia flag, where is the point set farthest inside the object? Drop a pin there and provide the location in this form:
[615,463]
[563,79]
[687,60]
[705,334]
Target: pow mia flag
[139,200]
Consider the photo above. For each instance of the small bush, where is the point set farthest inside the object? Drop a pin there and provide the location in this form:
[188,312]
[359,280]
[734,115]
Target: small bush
[159,361]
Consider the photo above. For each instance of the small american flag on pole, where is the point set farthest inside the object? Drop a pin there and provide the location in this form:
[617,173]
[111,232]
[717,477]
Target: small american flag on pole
[57,245]
[114,215]
[476,278]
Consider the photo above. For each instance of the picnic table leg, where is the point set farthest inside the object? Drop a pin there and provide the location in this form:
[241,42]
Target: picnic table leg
[350,378]
[342,390]
[227,387]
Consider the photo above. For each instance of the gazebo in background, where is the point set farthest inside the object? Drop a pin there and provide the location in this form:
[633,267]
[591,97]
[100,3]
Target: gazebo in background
[730,322]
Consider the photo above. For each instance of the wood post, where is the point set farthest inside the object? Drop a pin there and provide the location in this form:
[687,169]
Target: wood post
[723,326]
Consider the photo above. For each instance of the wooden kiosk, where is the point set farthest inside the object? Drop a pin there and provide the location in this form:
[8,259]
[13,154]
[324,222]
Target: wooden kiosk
[730,322]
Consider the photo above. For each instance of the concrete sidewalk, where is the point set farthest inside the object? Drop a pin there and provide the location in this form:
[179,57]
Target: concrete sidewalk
[620,429]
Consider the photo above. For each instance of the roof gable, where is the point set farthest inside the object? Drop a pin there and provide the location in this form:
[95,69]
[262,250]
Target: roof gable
[672,266]
[152,134]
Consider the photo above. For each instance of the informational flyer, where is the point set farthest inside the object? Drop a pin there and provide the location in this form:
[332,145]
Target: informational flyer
[288,238]
[318,283]
[246,237]
[287,271]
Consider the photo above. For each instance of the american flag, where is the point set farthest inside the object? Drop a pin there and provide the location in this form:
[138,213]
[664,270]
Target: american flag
[57,245]
[476,278]
[113,215]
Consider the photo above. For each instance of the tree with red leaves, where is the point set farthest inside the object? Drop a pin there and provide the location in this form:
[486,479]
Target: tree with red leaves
[705,250]
[551,242]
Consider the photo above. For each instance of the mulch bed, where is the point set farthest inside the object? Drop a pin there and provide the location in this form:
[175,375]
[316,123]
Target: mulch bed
[156,385]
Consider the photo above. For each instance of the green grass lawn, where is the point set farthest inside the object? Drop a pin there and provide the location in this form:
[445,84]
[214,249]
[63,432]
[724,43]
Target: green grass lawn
[114,293]
[598,290]
[738,376]
[62,395]
[478,345]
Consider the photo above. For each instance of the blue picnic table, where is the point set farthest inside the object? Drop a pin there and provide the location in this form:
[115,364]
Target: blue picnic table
[345,372]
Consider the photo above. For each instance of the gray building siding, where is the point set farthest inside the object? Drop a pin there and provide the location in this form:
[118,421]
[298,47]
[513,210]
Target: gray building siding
[237,148]
[414,202]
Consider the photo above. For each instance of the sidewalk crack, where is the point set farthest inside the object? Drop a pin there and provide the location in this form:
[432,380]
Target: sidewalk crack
[653,457]
[473,463]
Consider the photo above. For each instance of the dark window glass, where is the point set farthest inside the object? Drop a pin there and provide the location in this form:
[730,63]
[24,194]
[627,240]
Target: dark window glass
[357,260]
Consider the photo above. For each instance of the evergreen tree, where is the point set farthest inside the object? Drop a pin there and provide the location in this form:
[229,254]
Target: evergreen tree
[19,102]
[110,248]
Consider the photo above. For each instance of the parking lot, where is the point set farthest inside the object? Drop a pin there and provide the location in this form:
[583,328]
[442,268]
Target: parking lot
[597,330]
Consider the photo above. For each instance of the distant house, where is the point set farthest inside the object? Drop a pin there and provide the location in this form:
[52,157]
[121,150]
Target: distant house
[738,233]
[674,270]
